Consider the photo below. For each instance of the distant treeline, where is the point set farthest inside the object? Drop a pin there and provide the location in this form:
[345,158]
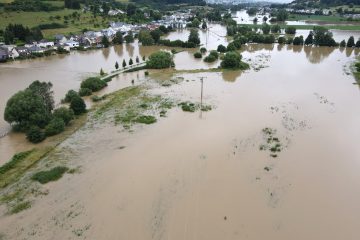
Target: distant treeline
[17,32]
[30,6]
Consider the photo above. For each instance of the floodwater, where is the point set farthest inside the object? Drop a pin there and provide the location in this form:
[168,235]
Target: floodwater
[203,176]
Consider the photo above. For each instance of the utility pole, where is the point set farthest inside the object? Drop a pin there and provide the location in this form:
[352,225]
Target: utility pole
[201,95]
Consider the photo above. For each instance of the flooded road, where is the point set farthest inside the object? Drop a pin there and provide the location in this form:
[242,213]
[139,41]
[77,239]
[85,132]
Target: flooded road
[192,176]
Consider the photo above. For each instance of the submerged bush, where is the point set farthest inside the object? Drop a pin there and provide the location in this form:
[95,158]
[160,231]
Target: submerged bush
[35,134]
[55,126]
[85,92]
[198,55]
[78,105]
[159,60]
[50,175]
[93,83]
[233,60]
[64,113]
[70,95]
[145,119]
[188,106]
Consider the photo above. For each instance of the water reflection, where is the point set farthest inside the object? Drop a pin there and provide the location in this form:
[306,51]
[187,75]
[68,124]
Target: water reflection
[316,55]
[231,76]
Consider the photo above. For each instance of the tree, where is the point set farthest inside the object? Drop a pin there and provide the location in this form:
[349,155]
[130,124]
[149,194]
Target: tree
[282,15]
[130,62]
[78,105]
[43,89]
[343,43]
[70,95]
[124,63]
[102,73]
[116,65]
[105,42]
[204,25]
[298,40]
[129,38]
[265,19]
[118,39]
[275,28]
[290,30]
[145,38]
[194,37]
[255,20]
[156,34]
[357,45]
[197,55]
[64,113]
[231,47]
[323,37]
[30,107]
[309,39]
[203,50]
[195,23]
[55,126]
[281,40]
[93,83]
[35,135]
[232,60]
[160,59]
[144,58]
[130,9]
[351,42]
[137,59]
[265,28]
[221,48]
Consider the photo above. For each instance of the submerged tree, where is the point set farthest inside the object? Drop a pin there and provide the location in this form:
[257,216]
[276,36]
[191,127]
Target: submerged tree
[116,65]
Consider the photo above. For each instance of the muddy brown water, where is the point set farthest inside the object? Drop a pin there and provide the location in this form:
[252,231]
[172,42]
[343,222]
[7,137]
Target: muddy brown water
[192,176]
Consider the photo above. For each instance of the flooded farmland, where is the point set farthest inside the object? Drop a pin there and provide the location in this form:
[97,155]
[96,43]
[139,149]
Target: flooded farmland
[277,156]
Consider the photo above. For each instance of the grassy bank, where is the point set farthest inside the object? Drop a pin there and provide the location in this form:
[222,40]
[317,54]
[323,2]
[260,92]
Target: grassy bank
[324,18]
[14,169]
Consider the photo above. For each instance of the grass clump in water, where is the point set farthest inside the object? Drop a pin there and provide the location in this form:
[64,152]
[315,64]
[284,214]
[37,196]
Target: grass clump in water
[272,144]
[20,207]
[14,160]
[145,119]
[188,106]
[50,175]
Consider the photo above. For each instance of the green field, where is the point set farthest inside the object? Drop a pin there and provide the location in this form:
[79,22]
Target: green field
[32,19]
[299,17]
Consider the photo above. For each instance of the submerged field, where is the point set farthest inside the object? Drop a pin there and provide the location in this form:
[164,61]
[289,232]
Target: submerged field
[277,152]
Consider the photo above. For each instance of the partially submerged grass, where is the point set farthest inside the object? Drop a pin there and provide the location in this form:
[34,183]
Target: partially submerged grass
[12,171]
[272,143]
[20,207]
[192,107]
[50,175]
[145,119]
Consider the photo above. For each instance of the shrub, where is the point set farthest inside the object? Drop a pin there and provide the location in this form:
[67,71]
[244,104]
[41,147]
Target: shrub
[203,50]
[231,47]
[96,98]
[188,106]
[160,60]
[93,83]
[64,113]
[146,73]
[298,40]
[78,105]
[233,60]
[85,92]
[55,126]
[35,134]
[50,175]
[221,48]
[290,30]
[281,40]
[214,53]
[70,95]
[210,58]
[198,55]
[342,43]
[145,119]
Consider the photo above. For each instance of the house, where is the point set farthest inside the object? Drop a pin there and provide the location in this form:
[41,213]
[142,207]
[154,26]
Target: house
[65,47]
[115,12]
[45,43]
[59,38]
[23,51]
[108,32]
[3,55]
[35,49]
[12,53]
[72,43]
